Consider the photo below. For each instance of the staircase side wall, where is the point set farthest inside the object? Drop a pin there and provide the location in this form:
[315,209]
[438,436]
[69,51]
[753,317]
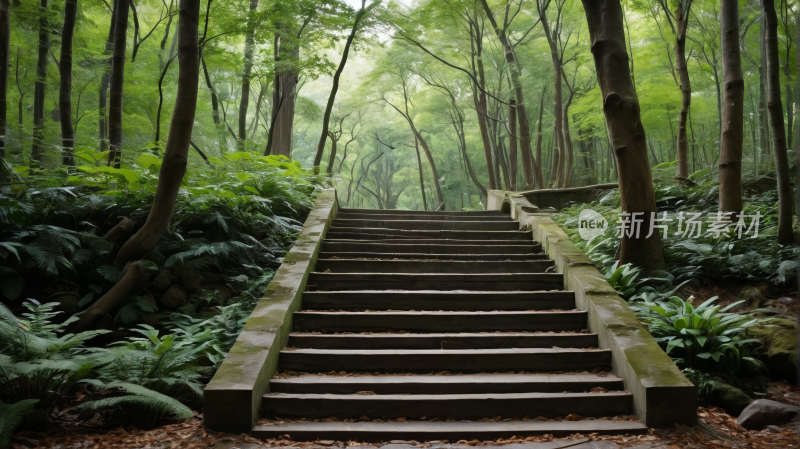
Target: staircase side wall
[662,395]
[233,397]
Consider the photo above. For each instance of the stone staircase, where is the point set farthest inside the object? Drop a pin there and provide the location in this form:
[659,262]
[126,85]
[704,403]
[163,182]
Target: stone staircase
[439,326]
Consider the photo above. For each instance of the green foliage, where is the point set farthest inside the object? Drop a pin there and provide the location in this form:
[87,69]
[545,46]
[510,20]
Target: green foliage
[704,382]
[703,337]
[11,416]
[139,401]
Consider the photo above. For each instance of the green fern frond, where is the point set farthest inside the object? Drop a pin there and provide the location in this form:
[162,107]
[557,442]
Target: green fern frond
[141,400]
[11,416]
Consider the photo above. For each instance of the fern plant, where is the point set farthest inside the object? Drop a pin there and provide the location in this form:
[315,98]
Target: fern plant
[11,417]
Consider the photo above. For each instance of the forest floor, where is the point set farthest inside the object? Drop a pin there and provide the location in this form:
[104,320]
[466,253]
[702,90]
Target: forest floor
[716,430]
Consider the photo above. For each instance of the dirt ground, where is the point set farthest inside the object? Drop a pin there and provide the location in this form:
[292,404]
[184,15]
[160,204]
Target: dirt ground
[716,430]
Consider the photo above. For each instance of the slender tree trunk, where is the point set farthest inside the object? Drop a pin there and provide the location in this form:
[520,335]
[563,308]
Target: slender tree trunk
[682,145]
[763,121]
[421,176]
[102,134]
[65,89]
[623,121]
[176,153]
[775,106]
[732,139]
[37,152]
[247,68]
[567,136]
[539,134]
[5,48]
[117,83]
[335,87]
[531,168]
[479,98]
[332,156]
[559,149]
[215,109]
[512,143]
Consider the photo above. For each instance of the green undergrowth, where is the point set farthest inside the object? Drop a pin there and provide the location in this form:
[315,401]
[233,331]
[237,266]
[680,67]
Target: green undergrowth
[235,219]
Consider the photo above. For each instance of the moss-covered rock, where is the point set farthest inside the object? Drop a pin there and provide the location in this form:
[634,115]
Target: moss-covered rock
[778,337]
[730,398]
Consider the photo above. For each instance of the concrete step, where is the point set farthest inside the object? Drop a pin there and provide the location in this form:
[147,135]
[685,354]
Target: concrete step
[431,241]
[424,225]
[349,247]
[449,384]
[445,213]
[442,341]
[438,300]
[459,217]
[434,322]
[420,256]
[426,281]
[446,406]
[383,233]
[424,266]
[453,360]
[453,431]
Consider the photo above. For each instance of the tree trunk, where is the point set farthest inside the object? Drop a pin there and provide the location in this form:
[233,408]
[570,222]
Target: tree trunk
[512,143]
[775,106]
[480,100]
[682,145]
[215,109]
[421,176]
[335,87]
[796,128]
[539,137]
[732,139]
[283,92]
[568,146]
[65,88]
[247,68]
[117,82]
[95,313]
[102,134]
[763,121]
[559,150]
[5,48]
[529,166]
[176,153]
[624,125]
[332,156]
[37,152]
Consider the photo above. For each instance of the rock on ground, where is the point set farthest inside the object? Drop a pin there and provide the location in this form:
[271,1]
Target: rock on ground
[764,412]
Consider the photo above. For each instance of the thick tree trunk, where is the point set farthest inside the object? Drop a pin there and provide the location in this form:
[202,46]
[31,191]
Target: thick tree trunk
[559,150]
[283,93]
[512,144]
[335,87]
[94,314]
[244,100]
[5,42]
[682,145]
[102,133]
[176,153]
[37,152]
[775,106]
[65,88]
[796,128]
[732,139]
[117,83]
[623,121]
[529,166]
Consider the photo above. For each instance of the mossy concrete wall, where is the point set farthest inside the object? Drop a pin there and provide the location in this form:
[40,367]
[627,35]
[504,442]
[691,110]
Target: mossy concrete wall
[233,397]
[662,396]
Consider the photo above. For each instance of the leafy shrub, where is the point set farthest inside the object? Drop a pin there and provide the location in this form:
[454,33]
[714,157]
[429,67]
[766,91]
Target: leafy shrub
[705,337]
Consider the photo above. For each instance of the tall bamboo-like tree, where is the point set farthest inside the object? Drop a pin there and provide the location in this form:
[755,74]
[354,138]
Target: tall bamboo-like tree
[176,152]
[5,49]
[732,139]
[104,82]
[65,88]
[775,107]
[530,166]
[335,87]
[37,152]
[247,68]
[117,83]
[626,134]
